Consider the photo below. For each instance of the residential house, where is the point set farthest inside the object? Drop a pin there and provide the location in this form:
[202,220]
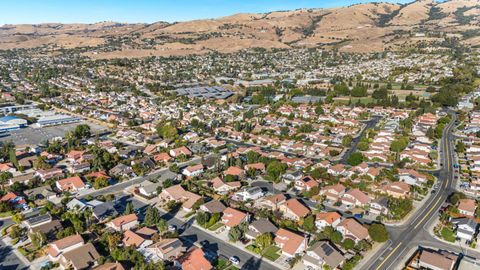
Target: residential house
[437,260]
[165,249]
[465,228]
[193,170]
[195,260]
[322,254]
[222,187]
[350,228]
[294,209]
[291,243]
[82,257]
[379,206]
[56,248]
[333,192]
[397,189]
[252,193]
[305,183]
[180,151]
[213,207]
[71,184]
[180,195]
[138,241]
[467,207]
[123,223]
[325,219]
[233,217]
[355,198]
[260,226]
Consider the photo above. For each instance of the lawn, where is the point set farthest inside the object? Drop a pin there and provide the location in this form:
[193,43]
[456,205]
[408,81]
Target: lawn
[222,264]
[271,253]
[253,248]
[448,234]
[216,226]
[5,214]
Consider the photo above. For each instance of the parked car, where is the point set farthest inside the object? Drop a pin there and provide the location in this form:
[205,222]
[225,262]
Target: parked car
[234,260]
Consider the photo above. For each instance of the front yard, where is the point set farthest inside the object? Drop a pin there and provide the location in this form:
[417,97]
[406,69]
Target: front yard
[271,253]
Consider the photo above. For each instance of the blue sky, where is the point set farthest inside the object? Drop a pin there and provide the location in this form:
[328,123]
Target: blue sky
[89,11]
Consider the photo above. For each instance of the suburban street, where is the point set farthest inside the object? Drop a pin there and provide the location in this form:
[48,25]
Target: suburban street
[415,232]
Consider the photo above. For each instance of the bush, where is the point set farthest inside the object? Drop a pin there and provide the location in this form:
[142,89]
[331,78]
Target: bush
[378,232]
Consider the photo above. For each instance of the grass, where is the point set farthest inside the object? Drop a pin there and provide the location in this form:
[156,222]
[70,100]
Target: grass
[448,234]
[271,253]
[222,264]
[216,226]
[253,248]
[5,214]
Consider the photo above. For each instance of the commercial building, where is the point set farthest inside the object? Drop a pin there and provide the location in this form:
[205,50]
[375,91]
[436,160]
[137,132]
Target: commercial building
[58,119]
[10,122]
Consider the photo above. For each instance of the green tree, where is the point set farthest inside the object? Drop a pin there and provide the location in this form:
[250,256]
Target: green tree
[235,234]
[336,237]
[348,244]
[347,140]
[202,218]
[128,209]
[17,218]
[100,182]
[264,240]
[378,232]
[309,224]
[152,216]
[275,170]
[355,158]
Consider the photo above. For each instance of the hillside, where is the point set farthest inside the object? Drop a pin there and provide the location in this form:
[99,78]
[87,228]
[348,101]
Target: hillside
[357,28]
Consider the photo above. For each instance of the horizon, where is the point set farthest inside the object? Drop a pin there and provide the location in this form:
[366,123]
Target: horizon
[148,12]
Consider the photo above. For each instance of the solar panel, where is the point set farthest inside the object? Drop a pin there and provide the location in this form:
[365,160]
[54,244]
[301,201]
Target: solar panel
[327,249]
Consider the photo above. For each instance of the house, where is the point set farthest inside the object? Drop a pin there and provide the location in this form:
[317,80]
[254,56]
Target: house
[79,167]
[350,228]
[123,223]
[110,266]
[165,249]
[437,260]
[322,254]
[222,187]
[291,243]
[465,228]
[397,189]
[40,194]
[82,257]
[412,177]
[195,260]
[292,176]
[149,189]
[76,205]
[467,207]
[56,248]
[193,170]
[259,227]
[293,209]
[255,166]
[233,217]
[14,200]
[333,192]
[180,151]
[326,219]
[252,193]
[47,174]
[305,183]
[122,170]
[49,229]
[180,195]
[213,207]
[37,220]
[379,206]
[162,157]
[354,198]
[132,239]
[144,162]
[75,156]
[71,184]
[272,202]
[234,171]
[337,170]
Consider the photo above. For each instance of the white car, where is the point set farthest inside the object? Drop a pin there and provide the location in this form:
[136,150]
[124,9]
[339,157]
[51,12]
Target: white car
[234,260]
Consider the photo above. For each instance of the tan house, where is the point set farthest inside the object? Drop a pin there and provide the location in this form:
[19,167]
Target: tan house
[123,223]
[293,209]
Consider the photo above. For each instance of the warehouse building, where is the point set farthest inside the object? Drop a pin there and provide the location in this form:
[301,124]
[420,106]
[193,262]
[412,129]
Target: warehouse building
[10,122]
[58,119]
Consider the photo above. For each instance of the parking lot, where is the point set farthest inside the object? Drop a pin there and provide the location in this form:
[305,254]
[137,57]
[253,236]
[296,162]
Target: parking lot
[35,135]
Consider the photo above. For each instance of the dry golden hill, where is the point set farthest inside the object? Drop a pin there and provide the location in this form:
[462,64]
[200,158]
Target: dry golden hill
[357,28]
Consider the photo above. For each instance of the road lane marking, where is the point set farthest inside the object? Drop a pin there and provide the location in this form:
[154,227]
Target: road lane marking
[389,255]
[429,211]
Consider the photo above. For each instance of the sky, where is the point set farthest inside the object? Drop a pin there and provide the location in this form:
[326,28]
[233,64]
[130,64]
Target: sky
[147,11]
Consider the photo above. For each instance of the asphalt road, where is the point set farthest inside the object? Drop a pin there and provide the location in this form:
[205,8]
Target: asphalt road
[415,232]
[353,145]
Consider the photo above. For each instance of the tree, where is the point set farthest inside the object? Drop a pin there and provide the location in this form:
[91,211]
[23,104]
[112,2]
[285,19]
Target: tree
[4,177]
[359,91]
[378,232]
[167,131]
[355,158]
[347,140]
[309,224]
[399,144]
[456,197]
[82,131]
[41,163]
[348,244]
[264,240]
[128,208]
[162,225]
[17,218]
[152,216]
[336,237]
[38,239]
[235,234]
[202,218]
[275,169]
[100,182]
